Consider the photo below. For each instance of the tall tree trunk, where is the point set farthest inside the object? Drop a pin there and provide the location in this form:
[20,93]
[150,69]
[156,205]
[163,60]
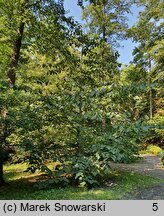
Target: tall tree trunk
[11,74]
[151,103]
[150,92]
[3,136]
[103,78]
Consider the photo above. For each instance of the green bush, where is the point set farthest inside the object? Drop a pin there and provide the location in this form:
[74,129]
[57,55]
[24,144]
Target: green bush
[156,132]
[84,171]
[91,171]
[152,149]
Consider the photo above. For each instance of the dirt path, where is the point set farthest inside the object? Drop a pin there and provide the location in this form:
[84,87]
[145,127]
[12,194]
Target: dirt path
[149,165]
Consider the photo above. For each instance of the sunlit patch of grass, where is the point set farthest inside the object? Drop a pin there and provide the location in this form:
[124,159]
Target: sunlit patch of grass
[21,186]
[17,171]
[52,165]
[15,167]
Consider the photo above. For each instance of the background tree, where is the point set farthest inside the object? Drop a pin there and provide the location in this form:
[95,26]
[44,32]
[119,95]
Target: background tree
[106,19]
[148,57]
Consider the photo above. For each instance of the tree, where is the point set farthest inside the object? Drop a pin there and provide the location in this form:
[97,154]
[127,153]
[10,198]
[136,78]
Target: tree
[150,20]
[106,19]
[66,93]
[17,24]
[137,105]
[149,53]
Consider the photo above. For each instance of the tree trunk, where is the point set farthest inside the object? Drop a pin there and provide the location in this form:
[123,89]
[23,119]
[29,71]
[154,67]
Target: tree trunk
[11,74]
[104,33]
[151,103]
[150,92]
[1,174]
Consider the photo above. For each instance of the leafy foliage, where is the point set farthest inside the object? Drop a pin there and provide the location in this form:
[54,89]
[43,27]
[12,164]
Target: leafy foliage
[148,61]
[64,98]
[152,149]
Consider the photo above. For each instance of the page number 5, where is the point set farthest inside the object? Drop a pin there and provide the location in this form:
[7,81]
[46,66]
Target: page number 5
[155,207]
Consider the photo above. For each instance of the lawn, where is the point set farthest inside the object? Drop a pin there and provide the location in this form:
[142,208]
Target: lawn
[23,185]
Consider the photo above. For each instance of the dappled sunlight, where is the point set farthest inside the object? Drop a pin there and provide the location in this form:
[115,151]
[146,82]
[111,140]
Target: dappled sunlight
[159,167]
[22,186]
[15,167]
[19,171]
[14,174]
[93,192]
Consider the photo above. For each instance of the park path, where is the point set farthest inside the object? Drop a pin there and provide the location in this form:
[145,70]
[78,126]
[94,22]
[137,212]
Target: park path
[149,165]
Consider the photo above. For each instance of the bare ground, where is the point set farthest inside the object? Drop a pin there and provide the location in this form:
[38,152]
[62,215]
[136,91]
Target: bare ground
[149,165]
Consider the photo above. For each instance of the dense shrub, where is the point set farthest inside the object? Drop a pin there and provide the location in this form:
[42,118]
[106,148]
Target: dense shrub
[156,132]
[152,149]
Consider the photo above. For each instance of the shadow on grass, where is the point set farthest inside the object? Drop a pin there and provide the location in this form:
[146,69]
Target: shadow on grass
[9,175]
[23,187]
[17,189]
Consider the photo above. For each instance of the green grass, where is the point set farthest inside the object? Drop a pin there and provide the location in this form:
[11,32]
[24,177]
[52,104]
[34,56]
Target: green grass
[21,186]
